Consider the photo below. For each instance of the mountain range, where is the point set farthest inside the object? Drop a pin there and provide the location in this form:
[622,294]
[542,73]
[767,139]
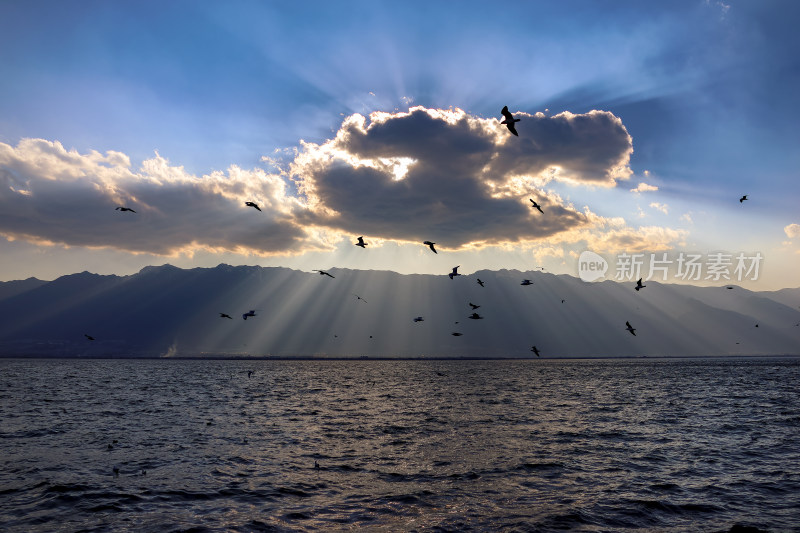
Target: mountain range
[166,311]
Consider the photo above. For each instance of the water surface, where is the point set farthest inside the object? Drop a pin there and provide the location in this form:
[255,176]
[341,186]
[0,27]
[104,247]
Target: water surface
[542,445]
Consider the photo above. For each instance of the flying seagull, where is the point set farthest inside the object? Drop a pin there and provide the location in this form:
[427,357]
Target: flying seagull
[323,273]
[526,282]
[430,245]
[475,316]
[639,285]
[537,206]
[361,242]
[419,319]
[123,209]
[630,328]
[223,315]
[252,204]
[88,337]
[509,121]
[360,298]
[454,272]
[473,306]
[480,282]
[743,198]
[535,350]
[249,313]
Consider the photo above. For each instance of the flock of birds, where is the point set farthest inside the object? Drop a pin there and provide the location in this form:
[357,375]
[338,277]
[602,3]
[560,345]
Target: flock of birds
[509,121]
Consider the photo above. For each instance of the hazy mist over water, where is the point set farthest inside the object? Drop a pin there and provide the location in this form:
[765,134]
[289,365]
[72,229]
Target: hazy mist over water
[586,445]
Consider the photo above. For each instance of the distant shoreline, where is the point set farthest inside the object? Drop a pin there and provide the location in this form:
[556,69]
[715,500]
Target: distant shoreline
[398,358]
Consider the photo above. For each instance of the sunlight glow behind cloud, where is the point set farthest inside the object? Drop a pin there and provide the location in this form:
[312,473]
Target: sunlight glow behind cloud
[439,174]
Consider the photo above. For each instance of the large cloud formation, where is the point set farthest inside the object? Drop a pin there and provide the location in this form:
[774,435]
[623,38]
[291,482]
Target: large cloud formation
[459,179]
[51,195]
[434,174]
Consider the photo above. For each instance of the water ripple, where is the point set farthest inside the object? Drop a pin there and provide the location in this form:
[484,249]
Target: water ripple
[666,445]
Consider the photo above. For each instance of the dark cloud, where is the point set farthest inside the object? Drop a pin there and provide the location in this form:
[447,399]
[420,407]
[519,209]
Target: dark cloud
[51,195]
[427,174]
[456,178]
[592,148]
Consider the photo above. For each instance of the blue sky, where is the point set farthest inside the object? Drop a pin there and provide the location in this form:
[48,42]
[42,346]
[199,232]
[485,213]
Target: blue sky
[192,106]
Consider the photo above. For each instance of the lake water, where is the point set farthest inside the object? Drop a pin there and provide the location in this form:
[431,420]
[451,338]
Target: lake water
[541,445]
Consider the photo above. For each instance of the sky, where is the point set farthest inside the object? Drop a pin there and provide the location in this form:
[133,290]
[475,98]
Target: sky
[641,126]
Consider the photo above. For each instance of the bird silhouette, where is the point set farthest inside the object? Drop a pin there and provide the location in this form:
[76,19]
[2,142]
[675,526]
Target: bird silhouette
[639,285]
[430,245]
[361,242]
[480,282]
[743,198]
[252,204]
[250,313]
[473,306]
[537,206]
[223,315]
[123,209]
[456,334]
[526,282]
[630,328]
[360,298]
[535,350]
[419,319]
[509,120]
[562,301]
[88,337]
[475,316]
[323,273]
[454,273]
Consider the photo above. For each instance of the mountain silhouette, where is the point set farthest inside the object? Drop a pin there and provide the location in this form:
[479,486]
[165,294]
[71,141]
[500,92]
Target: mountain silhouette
[171,310]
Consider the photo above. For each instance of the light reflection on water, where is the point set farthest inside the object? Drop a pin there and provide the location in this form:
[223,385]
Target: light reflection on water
[402,445]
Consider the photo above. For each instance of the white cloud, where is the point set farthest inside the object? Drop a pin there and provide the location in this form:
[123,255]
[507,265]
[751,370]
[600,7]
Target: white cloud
[687,217]
[644,187]
[664,208]
[792,231]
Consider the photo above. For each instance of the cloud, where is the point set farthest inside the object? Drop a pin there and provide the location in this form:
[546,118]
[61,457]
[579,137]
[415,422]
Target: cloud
[445,175]
[614,235]
[664,208]
[792,231]
[51,195]
[460,179]
[644,187]
[687,217]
